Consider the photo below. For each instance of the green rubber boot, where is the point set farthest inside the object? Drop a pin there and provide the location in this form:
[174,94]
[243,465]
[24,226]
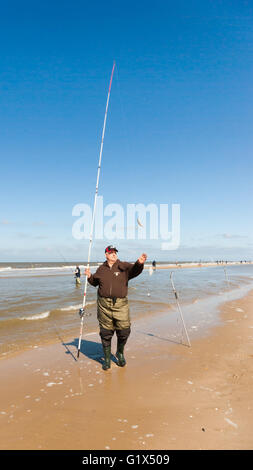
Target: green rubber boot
[120,355]
[107,353]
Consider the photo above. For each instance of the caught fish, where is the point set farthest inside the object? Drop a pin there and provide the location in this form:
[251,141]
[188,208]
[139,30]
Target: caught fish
[139,223]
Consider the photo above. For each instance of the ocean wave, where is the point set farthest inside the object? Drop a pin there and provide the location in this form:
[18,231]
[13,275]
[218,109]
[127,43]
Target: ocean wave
[70,307]
[43,315]
[43,270]
[76,307]
[37,316]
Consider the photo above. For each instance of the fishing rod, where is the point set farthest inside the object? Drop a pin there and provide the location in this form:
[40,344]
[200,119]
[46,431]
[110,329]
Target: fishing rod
[82,310]
[179,308]
[225,271]
[64,259]
[78,281]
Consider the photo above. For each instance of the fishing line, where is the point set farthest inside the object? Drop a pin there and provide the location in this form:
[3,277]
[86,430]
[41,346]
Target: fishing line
[125,121]
[65,260]
[179,308]
[150,271]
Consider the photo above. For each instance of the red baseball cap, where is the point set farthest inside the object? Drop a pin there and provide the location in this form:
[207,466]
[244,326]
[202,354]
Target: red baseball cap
[110,248]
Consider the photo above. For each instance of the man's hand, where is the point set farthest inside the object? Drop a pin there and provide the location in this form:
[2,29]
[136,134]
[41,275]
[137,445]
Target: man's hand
[142,258]
[87,272]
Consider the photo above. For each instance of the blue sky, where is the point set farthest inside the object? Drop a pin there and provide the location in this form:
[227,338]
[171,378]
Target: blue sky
[179,126]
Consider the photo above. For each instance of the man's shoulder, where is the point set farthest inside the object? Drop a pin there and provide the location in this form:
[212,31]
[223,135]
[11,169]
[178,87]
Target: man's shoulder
[102,266]
[123,265]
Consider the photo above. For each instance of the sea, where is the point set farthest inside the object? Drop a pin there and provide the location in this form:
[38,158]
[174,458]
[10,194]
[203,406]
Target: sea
[40,302]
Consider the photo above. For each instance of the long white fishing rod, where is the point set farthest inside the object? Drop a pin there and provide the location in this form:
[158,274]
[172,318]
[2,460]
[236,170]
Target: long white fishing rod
[179,308]
[82,310]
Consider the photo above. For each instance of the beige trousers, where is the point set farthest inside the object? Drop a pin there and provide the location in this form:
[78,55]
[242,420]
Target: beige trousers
[113,315]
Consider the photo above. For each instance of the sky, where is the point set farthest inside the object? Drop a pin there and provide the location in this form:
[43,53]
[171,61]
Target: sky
[179,124]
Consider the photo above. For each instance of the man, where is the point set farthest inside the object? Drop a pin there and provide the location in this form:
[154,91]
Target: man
[77,275]
[112,303]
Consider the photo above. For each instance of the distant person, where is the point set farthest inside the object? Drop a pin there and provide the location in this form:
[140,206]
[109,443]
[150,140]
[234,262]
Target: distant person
[154,265]
[112,303]
[77,275]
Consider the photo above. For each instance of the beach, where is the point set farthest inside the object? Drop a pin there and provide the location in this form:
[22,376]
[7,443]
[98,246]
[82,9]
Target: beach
[168,396]
[40,302]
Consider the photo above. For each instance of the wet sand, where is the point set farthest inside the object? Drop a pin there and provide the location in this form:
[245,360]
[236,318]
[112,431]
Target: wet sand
[168,396]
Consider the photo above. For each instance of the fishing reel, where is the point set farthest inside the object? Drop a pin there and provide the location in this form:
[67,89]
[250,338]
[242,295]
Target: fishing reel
[83,314]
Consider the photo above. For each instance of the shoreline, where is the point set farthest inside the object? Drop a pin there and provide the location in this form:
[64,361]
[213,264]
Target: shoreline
[167,397]
[148,265]
[160,311]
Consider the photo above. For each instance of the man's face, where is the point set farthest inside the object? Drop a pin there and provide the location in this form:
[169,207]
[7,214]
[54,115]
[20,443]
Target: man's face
[111,257]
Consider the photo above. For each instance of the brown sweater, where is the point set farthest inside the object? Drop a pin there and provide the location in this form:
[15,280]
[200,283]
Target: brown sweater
[113,282]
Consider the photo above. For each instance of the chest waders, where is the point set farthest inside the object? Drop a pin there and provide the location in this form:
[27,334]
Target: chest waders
[113,315]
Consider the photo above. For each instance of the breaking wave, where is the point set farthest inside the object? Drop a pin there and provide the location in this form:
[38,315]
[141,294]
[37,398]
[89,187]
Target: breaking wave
[43,315]
[75,307]
[37,316]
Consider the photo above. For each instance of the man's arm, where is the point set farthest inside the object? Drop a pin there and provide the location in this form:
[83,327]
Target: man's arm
[136,268]
[92,278]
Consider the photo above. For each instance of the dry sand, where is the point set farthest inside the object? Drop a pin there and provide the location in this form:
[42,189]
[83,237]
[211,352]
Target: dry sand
[168,396]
